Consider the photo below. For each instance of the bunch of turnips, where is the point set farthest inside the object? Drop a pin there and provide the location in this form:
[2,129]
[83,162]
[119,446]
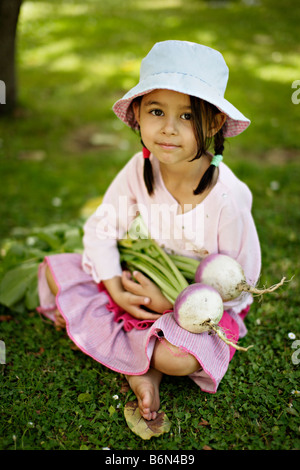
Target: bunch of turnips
[199,303]
[218,278]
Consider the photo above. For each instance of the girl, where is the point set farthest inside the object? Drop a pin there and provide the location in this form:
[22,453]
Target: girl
[191,203]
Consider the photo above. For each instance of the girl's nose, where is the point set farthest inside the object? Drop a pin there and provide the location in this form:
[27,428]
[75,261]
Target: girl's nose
[169,126]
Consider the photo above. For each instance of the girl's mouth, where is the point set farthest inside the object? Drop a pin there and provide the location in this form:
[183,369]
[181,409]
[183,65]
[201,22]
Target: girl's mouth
[167,146]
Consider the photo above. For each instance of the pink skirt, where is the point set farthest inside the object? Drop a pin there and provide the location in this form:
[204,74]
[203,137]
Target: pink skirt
[106,334]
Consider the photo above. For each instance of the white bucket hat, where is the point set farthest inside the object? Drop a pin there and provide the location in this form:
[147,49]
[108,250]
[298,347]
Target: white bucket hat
[188,68]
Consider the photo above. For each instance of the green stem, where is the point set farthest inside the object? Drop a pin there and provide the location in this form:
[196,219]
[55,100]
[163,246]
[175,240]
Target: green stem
[188,275]
[169,292]
[184,267]
[150,258]
[174,269]
[172,279]
[191,263]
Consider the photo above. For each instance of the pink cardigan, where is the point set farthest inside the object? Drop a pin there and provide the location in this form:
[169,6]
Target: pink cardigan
[221,223]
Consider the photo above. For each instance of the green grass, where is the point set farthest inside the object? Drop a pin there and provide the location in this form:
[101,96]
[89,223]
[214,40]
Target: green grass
[75,59]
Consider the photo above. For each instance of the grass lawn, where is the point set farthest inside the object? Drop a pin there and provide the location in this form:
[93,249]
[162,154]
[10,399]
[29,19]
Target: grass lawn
[62,148]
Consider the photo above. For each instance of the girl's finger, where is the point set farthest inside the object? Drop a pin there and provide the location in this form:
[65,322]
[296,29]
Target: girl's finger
[130,285]
[136,302]
[140,277]
[140,300]
[126,274]
[142,314]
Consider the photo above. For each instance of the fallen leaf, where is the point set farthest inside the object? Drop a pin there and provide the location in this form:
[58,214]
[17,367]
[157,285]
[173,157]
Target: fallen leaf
[206,448]
[84,397]
[142,427]
[40,351]
[6,317]
[124,387]
[203,422]
[292,411]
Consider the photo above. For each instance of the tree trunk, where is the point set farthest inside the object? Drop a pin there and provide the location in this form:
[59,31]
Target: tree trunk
[9,13]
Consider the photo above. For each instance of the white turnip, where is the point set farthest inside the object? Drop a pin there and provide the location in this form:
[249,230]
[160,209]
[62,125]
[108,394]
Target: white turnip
[226,275]
[199,308]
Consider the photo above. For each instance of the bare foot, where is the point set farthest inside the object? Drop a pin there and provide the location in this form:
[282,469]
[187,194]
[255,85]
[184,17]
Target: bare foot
[146,389]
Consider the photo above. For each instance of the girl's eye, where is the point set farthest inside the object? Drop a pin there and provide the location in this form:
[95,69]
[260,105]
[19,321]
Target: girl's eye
[156,112]
[186,116]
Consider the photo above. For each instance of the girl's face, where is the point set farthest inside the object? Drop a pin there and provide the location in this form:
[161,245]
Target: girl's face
[166,125]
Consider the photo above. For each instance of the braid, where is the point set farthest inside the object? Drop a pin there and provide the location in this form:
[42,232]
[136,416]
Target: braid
[207,178]
[148,176]
[219,140]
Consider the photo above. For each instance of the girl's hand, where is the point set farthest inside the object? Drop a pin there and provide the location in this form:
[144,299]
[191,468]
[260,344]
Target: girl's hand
[133,303]
[142,286]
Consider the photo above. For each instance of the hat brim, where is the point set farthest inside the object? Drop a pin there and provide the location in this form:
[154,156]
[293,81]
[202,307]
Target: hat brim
[235,124]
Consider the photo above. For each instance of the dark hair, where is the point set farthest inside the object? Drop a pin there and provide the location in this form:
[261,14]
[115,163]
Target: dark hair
[200,108]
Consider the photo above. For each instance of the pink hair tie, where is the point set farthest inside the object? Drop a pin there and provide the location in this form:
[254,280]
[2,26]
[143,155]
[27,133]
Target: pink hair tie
[146,152]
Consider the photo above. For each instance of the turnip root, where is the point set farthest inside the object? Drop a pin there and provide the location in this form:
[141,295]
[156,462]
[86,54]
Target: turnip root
[199,308]
[227,276]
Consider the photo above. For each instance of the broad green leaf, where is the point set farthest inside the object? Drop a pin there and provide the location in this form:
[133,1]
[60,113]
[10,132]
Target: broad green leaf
[15,282]
[73,237]
[51,229]
[31,295]
[51,239]
[84,397]
[142,427]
